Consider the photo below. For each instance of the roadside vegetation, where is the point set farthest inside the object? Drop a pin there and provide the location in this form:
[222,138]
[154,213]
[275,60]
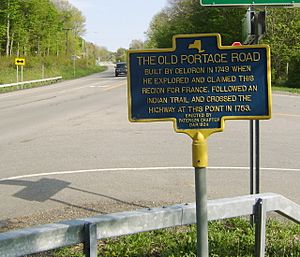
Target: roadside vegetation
[188,16]
[48,34]
[39,68]
[286,89]
[227,238]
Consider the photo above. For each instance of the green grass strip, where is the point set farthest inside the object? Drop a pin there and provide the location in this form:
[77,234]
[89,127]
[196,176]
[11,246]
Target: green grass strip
[68,74]
[286,89]
[227,238]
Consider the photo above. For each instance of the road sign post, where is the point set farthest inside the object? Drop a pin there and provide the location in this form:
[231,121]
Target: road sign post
[19,62]
[198,84]
[256,31]
[200,160]
[22,73]
[17,74]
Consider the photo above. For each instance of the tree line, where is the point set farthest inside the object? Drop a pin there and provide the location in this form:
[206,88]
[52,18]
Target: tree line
[47,28]
[43,28]
[188,16]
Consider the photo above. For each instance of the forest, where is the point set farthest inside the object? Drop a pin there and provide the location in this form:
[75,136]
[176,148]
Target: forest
[188,16]
[47,33]
[42,28]
[51,32]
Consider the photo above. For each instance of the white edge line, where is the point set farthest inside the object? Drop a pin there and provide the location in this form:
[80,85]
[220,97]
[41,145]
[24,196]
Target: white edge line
[137,169]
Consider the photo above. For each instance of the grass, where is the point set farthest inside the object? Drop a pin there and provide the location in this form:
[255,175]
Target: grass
[286,89]
[38,68]
[227,238]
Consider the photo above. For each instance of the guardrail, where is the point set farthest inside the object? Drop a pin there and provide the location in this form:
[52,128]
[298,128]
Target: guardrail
[54,79]
[88,231]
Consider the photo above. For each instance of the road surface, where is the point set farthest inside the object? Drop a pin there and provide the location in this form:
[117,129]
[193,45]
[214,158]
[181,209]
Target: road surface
[70,144]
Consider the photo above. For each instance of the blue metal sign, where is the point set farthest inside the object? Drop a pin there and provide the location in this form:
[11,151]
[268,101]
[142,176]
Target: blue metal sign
[199,83]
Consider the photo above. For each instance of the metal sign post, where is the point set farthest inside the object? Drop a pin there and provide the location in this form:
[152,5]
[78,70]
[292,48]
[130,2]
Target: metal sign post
[17,74]
[200,160]
[22,73]
[74,58]
[19,62]
[253,30]
[198,84]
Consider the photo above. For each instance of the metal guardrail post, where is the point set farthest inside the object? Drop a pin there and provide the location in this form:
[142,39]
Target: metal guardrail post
[260,228]
[90,237]
[21,84]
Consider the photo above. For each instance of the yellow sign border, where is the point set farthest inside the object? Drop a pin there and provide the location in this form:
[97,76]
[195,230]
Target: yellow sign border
[193,133]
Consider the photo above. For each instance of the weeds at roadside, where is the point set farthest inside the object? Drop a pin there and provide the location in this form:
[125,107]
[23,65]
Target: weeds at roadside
[227,238]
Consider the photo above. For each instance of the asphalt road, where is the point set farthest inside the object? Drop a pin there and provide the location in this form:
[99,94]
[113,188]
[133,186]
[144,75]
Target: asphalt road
[70,144]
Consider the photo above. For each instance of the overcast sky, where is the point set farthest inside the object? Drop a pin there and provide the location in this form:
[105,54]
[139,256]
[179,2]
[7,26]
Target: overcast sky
[115,23]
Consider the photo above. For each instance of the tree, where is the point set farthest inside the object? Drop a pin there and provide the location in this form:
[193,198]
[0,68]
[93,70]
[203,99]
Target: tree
[283,33]
[40,27]
[38,38]
[294,71]
[103,54]
[120,55]
[159,33]
[8,15]
[136,44]
[189,17]
[72,25]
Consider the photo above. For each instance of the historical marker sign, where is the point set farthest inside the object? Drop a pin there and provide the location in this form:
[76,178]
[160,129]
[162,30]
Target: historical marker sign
[250,2]
[199,83]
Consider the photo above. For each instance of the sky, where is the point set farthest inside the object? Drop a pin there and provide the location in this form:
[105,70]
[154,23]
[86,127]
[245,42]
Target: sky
[115,23]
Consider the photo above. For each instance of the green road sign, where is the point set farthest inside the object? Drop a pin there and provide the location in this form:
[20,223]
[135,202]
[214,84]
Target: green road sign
[295,3]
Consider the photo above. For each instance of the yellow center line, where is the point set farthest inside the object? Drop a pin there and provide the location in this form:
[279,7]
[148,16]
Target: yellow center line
[288,115]
[114,86]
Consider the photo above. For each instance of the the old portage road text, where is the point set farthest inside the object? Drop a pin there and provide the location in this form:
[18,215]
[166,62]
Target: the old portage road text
[200,85]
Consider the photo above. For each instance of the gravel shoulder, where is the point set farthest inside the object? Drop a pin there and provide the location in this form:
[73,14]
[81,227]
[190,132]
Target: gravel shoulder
[74,212]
